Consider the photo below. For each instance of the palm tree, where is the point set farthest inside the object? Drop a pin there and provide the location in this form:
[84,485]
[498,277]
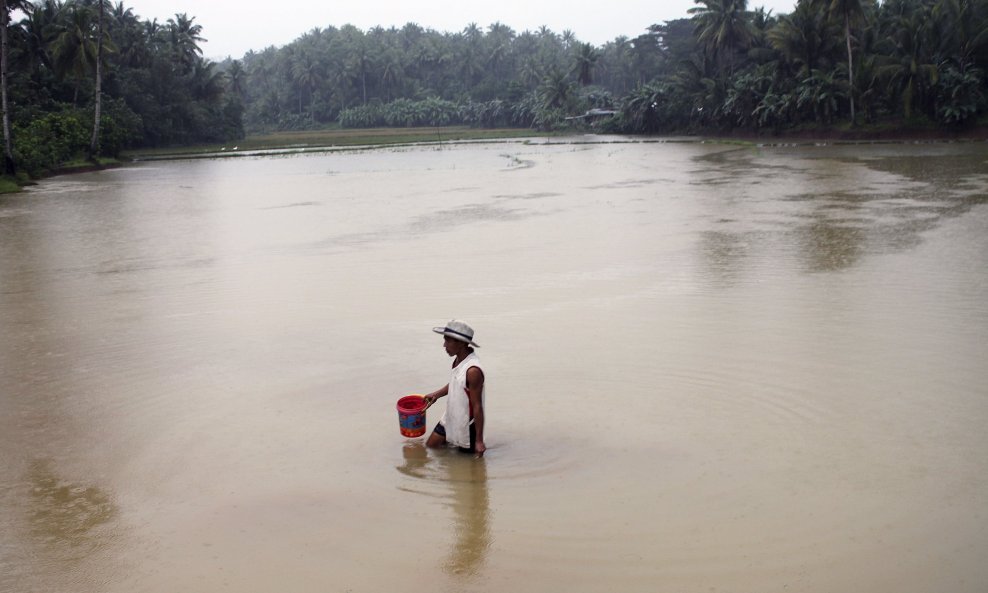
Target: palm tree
[184,38]
[470,60]
[98,102]
[568,38]
[236,78]
[555,90]
[912,67]
[74,49]
[723,28]
[585,60]
[803,38]
[207,83]
[962,34]
[9,167]
[848,11]
[307,75]
[641,108]
[38,30]
[499,41]
[127,32]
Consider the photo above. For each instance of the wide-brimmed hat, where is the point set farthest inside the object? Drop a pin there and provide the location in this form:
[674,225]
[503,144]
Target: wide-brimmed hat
[458,331]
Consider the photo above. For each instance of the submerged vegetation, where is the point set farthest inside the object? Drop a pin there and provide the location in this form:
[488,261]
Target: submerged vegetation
[84,79]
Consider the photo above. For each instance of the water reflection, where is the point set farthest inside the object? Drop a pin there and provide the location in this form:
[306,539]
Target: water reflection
[835,209]
[829,247]
[466,493]
[66,517]
[724,255]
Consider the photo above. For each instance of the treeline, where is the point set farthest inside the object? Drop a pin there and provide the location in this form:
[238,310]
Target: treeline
[725,68]
[908,62]
[85,78]
[406,76]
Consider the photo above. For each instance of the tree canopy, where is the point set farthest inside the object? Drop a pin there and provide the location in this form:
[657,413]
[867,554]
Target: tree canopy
[155,87]
[726,67]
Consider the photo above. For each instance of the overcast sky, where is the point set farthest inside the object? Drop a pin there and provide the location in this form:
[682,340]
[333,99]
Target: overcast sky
[232,27]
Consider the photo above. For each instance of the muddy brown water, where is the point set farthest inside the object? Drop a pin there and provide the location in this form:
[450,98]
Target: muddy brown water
[711,368]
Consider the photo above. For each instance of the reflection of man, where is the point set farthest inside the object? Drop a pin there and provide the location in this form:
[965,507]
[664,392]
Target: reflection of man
[415,460]
[462,423]
[471,516]
[465,482]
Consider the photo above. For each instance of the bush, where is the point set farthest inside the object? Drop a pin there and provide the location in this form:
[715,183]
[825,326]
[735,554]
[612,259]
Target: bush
[120,127]
[50,140]
[959,95]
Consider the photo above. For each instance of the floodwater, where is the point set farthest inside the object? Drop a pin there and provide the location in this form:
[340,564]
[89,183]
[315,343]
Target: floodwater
[710,368]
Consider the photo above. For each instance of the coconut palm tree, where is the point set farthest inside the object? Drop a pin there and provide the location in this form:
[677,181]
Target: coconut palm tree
[98,96]
[555,91]
[307,75]
[585,60]
[911,70]
[848,12]
[184,37]
[963,32]
[74,49]
[803,38]
[236,78]
[568,38]
[38,29]
[723,28]
[9,166]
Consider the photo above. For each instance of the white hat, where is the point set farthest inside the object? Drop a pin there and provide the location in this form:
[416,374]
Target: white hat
[458,331]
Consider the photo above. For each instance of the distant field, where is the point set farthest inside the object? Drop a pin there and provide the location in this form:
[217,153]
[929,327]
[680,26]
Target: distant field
[338,137]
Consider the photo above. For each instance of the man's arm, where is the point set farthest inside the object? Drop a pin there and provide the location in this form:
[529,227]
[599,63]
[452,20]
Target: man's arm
[475,391]
[432,397]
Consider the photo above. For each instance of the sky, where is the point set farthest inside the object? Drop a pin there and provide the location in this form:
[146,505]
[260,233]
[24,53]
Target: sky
[233,27]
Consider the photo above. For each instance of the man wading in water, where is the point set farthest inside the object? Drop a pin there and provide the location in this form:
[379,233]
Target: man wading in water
[462,423]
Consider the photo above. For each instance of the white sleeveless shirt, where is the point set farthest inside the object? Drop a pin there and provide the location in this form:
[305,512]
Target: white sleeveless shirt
[456,418]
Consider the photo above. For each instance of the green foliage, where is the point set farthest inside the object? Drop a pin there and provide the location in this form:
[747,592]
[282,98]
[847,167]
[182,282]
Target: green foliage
[434,112]
[156,87]
[726,68]
[44,141]
[51,139]
[9,186]
[120,127]
[823,92]
[960,95]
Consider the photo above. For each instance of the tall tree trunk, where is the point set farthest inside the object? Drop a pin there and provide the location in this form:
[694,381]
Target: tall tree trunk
[850,63]
[9,166]
[94,142]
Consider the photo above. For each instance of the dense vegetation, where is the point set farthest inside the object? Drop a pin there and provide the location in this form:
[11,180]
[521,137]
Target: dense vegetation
[84,78]
[725,68]
[154,86]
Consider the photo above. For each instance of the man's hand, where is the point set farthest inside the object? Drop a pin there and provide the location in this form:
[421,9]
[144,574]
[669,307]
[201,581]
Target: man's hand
[479,449]
[429,400]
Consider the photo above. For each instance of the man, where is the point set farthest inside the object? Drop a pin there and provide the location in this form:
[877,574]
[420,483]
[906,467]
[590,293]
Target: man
[462,423]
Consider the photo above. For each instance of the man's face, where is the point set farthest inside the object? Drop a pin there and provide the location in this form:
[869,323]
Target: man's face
[452,346]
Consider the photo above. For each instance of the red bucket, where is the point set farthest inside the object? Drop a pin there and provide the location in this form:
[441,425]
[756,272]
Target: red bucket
[411,416]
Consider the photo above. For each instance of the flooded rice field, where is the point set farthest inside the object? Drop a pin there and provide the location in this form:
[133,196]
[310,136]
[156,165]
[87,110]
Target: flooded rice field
[710,368]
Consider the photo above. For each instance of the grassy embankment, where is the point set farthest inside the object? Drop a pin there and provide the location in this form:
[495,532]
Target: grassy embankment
[330,139]
[10,184]
[335,139]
